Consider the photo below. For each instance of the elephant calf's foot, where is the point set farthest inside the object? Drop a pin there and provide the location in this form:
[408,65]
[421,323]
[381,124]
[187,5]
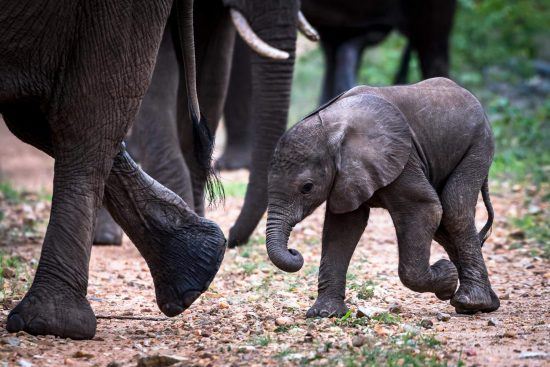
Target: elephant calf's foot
[233,159]
[186,264]
[58,313]
[106,231]
[327,308]
[447,279]
[470,299]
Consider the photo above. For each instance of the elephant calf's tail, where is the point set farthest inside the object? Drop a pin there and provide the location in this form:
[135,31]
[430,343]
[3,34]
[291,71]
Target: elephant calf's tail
[486,230]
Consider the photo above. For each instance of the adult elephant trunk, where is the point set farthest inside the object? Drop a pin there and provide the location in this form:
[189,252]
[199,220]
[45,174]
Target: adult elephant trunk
[277,234]
[270,100]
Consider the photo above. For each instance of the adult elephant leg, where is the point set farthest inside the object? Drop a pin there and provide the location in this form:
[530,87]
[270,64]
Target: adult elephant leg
[238,145]
[459,236]
[416,213]
[56,302]
[271,83]
[183,251]
[341,232]
[154,141]
[214,39]
[329,51]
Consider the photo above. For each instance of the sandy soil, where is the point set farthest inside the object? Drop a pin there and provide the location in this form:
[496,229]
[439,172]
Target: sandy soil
[254,314]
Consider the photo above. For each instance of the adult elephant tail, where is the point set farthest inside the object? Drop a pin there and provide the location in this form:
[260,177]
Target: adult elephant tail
[486,230]
[203,139]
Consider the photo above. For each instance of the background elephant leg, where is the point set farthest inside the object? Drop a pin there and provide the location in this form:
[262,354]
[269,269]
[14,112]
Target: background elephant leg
[341,232]
[329,52]
[238,145]
[416,213]
[342,63]
[459,235]
[183,251]
[106,230]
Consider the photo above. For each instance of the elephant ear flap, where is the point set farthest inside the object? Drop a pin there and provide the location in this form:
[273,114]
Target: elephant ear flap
[372,142]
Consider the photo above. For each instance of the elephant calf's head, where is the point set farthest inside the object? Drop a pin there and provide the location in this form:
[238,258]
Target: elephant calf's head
[343,153]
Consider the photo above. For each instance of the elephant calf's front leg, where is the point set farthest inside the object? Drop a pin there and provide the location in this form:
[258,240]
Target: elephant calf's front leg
[340,236]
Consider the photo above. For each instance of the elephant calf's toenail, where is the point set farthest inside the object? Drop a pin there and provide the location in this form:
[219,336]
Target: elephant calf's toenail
[171,309]
[15,323]
[190,297]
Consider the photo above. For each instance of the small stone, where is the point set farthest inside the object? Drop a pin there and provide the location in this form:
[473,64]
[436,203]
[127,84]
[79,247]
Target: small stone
[517,235]
[81,354]
[395,308]
[492,322]
[369,312]
[505,296]
[11,340]
[114,364]
[442,316]
[308,338]
[533,355]
[471,352]
[358,341]
[510,334]
[426,323]
[160,361]
[8,273]
[24,363]
[223,305]
[284,321]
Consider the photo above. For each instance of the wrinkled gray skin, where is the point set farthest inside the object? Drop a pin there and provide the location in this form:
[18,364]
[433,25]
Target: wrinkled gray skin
[160,140]
[422,152]
[72,76]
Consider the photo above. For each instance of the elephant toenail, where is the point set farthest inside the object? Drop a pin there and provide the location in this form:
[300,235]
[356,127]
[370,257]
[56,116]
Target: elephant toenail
[15,323]
[190,297]
[324,313]
[171,309]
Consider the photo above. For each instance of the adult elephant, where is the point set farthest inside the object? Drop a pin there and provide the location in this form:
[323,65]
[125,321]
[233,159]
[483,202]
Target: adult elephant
[74,94]
[160,139]
[346,28]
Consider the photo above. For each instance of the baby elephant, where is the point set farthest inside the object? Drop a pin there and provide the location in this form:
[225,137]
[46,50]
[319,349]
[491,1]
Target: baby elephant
[422,152]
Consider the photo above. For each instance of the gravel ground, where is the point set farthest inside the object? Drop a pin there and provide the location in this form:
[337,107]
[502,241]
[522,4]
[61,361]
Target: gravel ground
[254,314]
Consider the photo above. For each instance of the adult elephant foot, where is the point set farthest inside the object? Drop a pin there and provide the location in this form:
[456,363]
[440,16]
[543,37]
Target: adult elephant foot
[329,307]
[183,251]
[234,158]
[50,312]
[188,262]
[472,298]
[106,230]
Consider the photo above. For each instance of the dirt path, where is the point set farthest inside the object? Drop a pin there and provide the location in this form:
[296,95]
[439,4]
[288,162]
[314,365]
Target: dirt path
[239,321]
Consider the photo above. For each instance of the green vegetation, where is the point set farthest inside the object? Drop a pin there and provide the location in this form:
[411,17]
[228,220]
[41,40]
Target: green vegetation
[13,276]
[364,290]
[234,189]
[534,227]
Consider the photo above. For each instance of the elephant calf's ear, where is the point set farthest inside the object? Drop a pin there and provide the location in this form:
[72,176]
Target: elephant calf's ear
[373,144]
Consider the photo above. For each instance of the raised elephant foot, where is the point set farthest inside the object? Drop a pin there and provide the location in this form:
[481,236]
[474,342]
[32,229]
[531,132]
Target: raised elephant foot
[470,299]
[58,313]
[234,159]
[327,308]
[447,277]
[186,264]
[106,230]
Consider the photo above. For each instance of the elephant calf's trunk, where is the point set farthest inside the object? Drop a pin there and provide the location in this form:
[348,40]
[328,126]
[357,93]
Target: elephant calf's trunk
[277,234]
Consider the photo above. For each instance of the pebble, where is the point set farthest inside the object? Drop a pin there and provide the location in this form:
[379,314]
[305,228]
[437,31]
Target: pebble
[395,308]
[160,361]
[442,316]
[223,305]
[24,363]
[8,273]
[533,355]
[509,334]
[114,364]
[505,296]
[426,323]
[81,354]
[369,311]
[284,320]
[358,341]
[11,340]
[492,322]
[471,352]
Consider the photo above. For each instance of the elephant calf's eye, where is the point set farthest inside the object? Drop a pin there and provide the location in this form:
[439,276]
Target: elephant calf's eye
[306,188]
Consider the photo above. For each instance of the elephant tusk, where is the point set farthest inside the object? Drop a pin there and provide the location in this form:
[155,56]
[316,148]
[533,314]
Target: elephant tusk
[252,39]
[307,29]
